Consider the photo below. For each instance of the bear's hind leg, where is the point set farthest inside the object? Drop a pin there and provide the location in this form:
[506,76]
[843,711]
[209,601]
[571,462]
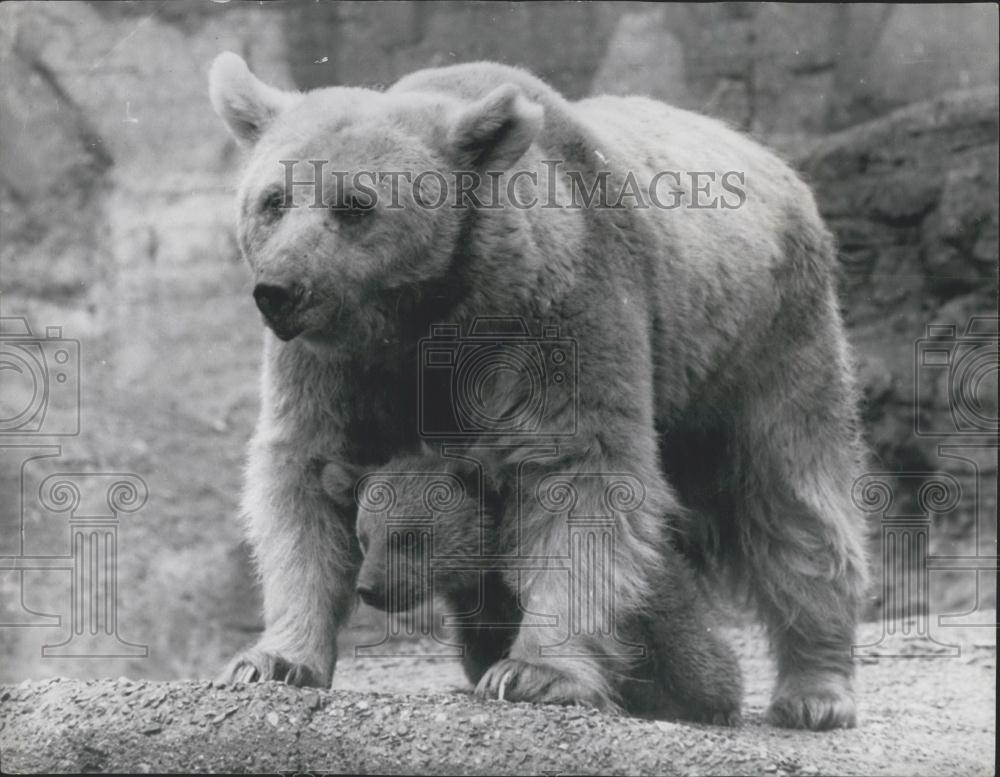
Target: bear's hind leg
[807,578]
[800,538]
[688,671]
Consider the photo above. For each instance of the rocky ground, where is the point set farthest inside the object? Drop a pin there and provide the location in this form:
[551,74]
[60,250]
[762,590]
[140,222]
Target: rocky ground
[932,715]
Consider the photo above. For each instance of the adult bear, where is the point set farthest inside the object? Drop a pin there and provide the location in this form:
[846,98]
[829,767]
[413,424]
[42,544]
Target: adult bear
[709,359]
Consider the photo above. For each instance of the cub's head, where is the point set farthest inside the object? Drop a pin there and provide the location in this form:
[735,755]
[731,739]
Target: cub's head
[409,523]
[340,205]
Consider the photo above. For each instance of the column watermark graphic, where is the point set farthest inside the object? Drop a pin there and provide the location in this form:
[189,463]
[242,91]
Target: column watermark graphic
[905,540]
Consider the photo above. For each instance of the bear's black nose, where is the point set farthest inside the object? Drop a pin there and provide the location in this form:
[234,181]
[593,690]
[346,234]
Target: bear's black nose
[276,302]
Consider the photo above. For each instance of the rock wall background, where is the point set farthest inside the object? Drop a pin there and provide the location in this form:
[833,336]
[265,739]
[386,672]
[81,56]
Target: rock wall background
[116,218]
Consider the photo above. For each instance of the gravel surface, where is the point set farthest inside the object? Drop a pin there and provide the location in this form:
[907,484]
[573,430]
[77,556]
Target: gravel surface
[918,716]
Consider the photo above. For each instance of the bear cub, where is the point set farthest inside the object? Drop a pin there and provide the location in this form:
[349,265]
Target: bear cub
[682,668]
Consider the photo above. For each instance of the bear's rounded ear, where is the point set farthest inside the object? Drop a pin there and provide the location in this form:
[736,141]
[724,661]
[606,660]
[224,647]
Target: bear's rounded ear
[494,132]
[244,102]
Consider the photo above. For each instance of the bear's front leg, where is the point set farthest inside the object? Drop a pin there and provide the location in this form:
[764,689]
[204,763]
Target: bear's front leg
[307,559]
[582,547]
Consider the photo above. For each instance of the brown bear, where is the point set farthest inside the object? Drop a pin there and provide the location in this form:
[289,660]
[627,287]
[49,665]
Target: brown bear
[653,297]
[678,667]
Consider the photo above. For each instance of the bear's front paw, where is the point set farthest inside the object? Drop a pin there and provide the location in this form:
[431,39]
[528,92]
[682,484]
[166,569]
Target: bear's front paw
[721,704]
[819,704]
[514,680]
[731,717]
[256,665]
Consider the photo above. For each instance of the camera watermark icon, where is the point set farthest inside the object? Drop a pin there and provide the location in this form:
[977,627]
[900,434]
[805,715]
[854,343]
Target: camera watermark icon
[906,558]
[961,370]
[497,381]
[41,381]
[95,503]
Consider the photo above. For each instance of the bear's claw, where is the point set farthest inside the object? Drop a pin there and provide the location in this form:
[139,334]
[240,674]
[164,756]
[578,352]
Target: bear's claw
[514,680]
[256,665]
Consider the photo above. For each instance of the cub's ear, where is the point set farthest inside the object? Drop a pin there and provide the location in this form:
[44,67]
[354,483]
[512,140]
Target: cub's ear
[494,132]
[244,102]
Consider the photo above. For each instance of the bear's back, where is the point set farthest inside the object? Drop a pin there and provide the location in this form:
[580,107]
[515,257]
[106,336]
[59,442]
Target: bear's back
[638,131]
[472,80]
[725,251]
[564,135]
[646,133]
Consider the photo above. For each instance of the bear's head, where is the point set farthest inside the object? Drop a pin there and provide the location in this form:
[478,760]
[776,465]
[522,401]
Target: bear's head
[340,204]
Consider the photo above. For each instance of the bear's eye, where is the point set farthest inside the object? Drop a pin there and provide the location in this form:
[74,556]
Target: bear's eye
[355,208]
[272,204]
